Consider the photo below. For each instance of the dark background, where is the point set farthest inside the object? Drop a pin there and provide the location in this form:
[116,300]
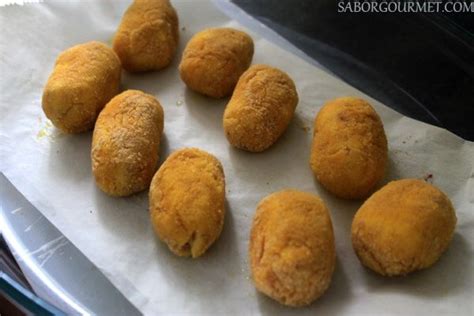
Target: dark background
[420,64]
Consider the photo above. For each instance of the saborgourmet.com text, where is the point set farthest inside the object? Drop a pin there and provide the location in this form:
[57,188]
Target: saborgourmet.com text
[408,6]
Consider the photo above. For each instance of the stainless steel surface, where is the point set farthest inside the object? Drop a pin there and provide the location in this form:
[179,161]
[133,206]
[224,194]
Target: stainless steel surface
[55,268]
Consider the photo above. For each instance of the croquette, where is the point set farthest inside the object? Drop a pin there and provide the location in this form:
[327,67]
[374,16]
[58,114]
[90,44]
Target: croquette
[125,143]
[85,77]
[260,109]
[403,227]
[292,250]
[349,149]
[187,197]
[148,36]
[214,59]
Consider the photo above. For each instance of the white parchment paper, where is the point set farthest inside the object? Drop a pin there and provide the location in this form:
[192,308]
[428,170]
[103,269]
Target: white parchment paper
[54,172]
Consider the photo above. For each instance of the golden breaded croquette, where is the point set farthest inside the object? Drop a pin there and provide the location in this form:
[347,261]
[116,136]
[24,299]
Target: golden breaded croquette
[260,109]
[187,197]
[292,250]
[349,149]
[85,77]
[148,35]
[214,59]
[403,227]
[125,143]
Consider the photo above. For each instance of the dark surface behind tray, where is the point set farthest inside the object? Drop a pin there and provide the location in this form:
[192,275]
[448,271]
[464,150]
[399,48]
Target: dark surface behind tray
[421,65]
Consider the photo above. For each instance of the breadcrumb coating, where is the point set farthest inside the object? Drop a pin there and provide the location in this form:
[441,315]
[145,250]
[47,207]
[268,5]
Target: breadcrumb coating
[85,77]
[292,249]
[403,227]
[214,59]
[260,109]
[349,149]
[126,142]
[148,35]
[187,197]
